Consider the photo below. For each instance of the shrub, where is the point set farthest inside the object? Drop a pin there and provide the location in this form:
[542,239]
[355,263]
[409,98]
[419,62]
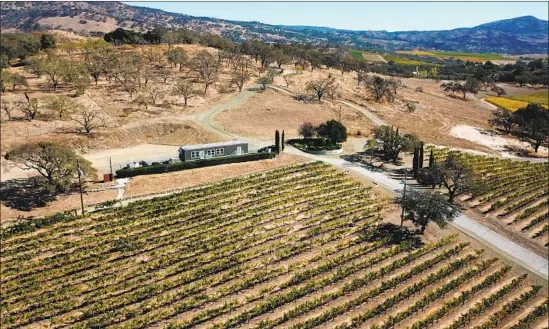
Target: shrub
[334,130]
[314,144]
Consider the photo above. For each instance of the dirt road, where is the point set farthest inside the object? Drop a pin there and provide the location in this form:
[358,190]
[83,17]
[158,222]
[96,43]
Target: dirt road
[375,119]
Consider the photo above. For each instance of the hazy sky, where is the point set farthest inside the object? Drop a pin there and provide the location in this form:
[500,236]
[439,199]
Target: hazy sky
[390,16]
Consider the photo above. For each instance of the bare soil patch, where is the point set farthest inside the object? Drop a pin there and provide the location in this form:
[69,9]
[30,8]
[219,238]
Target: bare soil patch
[492,140]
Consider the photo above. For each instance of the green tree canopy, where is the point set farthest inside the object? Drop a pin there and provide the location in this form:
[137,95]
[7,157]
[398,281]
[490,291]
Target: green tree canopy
[47,41]
[333,130]
[533,122]
[392,142]
[421,208]
[54,162]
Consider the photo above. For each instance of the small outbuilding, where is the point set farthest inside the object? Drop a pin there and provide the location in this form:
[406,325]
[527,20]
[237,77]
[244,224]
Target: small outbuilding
[213,150]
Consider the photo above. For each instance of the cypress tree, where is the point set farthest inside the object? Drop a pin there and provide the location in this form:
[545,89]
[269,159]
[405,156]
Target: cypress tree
[431,159]
[415,161]
[420,164]
[282,141]
[277,141]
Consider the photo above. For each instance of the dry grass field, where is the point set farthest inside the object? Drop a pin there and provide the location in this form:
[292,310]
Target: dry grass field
[436,112]
[269,110]
[127,122]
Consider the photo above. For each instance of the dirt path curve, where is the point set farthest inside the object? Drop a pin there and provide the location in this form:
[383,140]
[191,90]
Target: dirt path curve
[505,247]
[375,119]
[206,120]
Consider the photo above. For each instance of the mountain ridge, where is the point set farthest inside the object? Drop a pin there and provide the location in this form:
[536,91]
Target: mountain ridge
[525,34]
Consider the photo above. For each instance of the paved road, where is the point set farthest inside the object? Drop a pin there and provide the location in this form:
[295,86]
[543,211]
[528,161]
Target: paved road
[513,251]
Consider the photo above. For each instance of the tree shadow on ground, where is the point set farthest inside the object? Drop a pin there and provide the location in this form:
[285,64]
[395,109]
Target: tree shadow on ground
[358,159]
[25,194]
[395,235]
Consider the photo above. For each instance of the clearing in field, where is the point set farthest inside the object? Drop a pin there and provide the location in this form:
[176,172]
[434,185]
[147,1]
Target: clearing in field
[282,249]
[370,57]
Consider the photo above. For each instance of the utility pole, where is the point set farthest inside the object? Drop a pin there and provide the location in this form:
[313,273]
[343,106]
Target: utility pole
[339,114]
[403,196]
[80,185]
[110,163]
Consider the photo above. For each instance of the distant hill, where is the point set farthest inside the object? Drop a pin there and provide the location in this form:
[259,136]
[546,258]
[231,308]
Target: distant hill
[521,35]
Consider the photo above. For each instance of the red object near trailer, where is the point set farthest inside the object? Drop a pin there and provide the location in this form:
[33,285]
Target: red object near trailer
[107,177]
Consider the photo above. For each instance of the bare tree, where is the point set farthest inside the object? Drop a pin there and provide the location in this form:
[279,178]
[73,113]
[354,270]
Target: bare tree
[155,93]
[96,66]
[184,89]
[289,79]
[153,56]
[206,66]
[30,108]
[53,69]
[62,105]
[147,73]
[89,120]
[380,88]
[142,99]
[177,56]
[130,87]
[240,62]
[164,74]
[395,84]
[240,77]
[332,90]
[8,108]
[498,90]
[361,77]
[320,86]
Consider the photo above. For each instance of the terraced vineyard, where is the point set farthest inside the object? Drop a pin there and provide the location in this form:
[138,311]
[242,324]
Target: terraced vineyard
[280,249]
[514,191]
